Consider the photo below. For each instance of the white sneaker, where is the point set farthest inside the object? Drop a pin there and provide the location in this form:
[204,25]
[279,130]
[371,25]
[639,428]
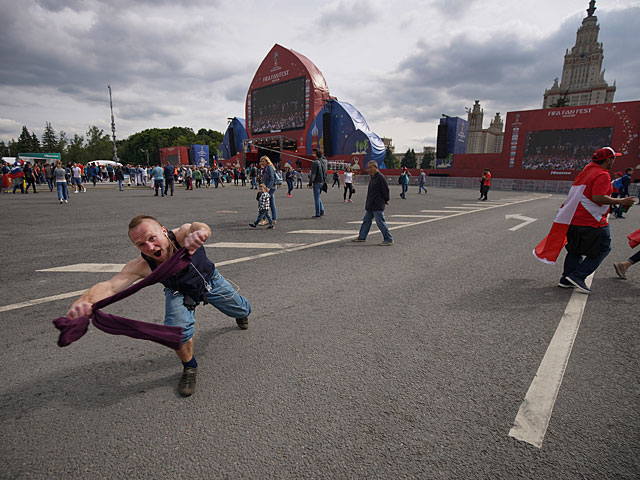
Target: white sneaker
[66,201]
[84,189]
[61,201]
[75,191]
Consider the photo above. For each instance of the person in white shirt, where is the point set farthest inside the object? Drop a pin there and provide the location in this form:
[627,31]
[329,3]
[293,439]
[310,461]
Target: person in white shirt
[348,184]
[77,179]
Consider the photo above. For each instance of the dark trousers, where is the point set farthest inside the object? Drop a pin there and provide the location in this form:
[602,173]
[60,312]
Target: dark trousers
[158,185]
[168,185]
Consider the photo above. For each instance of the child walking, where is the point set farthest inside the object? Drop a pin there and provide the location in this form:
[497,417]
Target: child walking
[264,200]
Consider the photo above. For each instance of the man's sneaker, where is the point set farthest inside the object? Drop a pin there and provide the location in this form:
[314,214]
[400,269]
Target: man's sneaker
[358,239]
[579,285]
[271,226]
[386,243]
[252,225]
[564,283]
[187,384]
[243,323]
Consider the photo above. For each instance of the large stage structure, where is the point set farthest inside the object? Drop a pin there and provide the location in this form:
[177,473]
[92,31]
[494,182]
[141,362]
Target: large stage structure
[289,113]
[556,143]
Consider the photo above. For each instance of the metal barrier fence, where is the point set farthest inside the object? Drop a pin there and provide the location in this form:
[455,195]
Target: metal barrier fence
[504,184]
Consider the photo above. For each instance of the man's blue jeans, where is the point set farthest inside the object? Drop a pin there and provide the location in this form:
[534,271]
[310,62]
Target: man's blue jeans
[579,266]
[405,187]
[158,184]
[380,222]
[317,190]
[222,296]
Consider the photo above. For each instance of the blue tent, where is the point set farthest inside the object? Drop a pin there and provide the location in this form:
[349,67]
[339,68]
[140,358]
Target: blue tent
[234,136]
[350,133]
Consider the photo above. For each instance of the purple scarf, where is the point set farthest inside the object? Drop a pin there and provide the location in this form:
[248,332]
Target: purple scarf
[72,330]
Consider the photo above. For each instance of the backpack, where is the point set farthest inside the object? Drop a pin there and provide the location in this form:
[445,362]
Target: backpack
[617,183]
[278,180]
[400,180]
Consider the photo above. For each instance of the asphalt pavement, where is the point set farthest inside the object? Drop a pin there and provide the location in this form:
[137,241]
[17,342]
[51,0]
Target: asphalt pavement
[360,361]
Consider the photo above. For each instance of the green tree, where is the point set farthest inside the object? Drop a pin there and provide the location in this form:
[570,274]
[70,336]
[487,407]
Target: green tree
[409,159]
[427,159]
[63,141]
[49,140]
[390,160]
[4,149]
[35,143]
[13,148]
[23,145]
[99,145]
[75,151]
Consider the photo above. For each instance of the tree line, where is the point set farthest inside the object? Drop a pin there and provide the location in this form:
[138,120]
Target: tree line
[137,149]
[409,160]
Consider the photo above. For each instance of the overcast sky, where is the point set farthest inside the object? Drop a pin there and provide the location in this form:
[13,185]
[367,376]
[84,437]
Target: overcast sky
[401,63]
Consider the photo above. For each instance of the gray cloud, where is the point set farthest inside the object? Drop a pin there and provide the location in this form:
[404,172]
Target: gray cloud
[351,14]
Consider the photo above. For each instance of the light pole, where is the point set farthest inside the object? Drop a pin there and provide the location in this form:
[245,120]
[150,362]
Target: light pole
[147,152]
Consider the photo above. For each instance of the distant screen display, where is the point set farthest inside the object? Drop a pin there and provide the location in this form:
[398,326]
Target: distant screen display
[563,149]
[279,107]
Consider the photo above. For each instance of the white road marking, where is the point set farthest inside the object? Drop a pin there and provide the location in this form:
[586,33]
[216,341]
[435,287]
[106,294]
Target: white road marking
[38,301]
[463,208]
[525,221]
[480,204]
[388,223]
[265,246]
[416,216]
[435,211]
[327,232]
[87,267]
[429,219]
[535,411]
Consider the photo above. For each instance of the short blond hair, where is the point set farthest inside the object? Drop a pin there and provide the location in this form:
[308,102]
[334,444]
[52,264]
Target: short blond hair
[137,220]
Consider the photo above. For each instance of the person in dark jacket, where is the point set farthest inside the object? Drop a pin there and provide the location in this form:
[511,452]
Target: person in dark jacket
[377,199]
[317,180]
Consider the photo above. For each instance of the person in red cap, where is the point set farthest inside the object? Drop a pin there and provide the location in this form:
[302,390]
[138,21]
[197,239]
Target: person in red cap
[588,236]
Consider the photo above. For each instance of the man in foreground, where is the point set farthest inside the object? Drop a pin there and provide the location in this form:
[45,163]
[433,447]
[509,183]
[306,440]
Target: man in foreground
[377,198]
[183,291]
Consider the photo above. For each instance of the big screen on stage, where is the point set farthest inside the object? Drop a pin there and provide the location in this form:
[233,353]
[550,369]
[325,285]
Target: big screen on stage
[279,107]
[563,149]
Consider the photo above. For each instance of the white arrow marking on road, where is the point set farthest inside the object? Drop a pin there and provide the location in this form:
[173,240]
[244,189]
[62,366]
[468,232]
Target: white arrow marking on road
[525,221]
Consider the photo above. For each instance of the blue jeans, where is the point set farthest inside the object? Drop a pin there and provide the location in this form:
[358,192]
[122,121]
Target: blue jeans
[222,296]
[272,202]
[263,214]
[405,187]
[50,184]
[581,267]
[421,187]
[158,185]
[289,186]
[317,190]
[380,222]
[63,191]
[254,183]
[120,185]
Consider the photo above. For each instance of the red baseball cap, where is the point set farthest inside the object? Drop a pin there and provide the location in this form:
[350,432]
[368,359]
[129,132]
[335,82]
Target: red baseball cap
[604,153]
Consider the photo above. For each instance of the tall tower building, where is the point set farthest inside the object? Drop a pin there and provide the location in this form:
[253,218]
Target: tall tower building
[483,140]
[582,74]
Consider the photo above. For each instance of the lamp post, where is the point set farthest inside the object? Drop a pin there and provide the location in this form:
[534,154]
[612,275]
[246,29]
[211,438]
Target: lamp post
[147,152]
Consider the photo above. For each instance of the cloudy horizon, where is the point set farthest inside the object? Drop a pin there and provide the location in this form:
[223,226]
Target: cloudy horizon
[189,63]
